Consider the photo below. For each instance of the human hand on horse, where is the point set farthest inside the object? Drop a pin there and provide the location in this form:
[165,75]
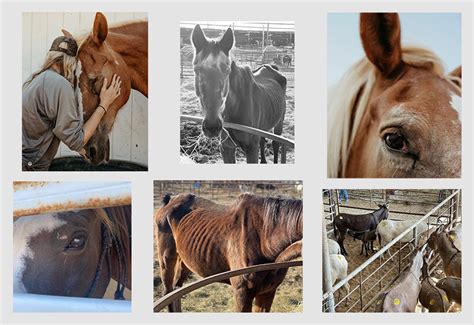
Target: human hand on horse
[108,95]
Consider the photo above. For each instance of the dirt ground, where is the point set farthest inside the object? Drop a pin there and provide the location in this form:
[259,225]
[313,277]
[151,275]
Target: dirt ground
[203,150]
[218,297]
[390,270]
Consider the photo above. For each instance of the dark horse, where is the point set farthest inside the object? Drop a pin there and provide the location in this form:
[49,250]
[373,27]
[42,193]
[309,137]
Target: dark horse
[197,235]
[229,93]
[73,253]
[357,223]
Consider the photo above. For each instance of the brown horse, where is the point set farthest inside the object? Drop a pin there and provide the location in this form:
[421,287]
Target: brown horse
[395,113]
[451,256]
[357,223]
[73,253]
[197,235]
[121,50]
[238,95]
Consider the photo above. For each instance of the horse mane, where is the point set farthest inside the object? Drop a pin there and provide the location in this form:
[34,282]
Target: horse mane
[282,212]
[115,220]
[350,98]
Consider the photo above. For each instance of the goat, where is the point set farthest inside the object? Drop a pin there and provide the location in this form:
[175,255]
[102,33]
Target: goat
[431,297]
[451,256]
[333,247]
[339,268]
[453,288]
[387,230]
[455,235]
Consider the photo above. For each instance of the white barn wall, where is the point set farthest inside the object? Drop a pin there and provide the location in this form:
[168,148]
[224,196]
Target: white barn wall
[129,136]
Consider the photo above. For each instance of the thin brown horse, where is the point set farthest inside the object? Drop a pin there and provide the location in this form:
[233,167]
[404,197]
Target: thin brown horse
[236,94]
[121,50]
[73,253]
[395,113]
[197,235]
[451,256]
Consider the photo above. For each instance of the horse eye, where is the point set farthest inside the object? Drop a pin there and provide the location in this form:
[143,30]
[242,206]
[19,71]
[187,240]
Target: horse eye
[396,141]
[77,242]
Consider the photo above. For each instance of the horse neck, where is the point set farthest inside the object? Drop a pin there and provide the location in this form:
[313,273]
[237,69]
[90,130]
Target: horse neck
[239,83]
[131,42]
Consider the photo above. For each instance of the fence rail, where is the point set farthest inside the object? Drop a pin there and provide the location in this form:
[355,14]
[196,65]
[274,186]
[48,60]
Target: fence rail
[178,294]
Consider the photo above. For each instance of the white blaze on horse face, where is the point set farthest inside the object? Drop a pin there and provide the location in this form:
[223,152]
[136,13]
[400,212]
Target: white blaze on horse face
[456,104]
[24,229]
[78,88]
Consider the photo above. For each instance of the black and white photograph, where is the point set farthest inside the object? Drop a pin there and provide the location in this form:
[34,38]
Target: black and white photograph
[237,92]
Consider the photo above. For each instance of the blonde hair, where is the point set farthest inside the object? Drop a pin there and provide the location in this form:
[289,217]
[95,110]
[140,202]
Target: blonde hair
[353,92]
[52,57]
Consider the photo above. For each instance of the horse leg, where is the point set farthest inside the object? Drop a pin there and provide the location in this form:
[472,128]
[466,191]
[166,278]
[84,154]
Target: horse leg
[243,300]
[167,268]
[263,159]
[251,152]
[180,275]
[278,130]
[228,152]
[263,302]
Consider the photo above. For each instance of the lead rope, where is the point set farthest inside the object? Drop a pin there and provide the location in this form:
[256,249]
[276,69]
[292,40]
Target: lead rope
[105,249]
[122,276]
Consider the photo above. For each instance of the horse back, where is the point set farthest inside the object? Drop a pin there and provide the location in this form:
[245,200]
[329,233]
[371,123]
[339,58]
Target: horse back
[267,73]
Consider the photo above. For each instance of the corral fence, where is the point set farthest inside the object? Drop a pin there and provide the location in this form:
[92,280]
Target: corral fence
[285,143]
[256,43]
[175,296]
[377,274]
[35,198]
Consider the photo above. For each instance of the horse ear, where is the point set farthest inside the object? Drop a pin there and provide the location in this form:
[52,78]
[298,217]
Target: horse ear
[380,34]
[166,199]
[457,73]
[66,33]
[198,38]
[227,41]
[100,28]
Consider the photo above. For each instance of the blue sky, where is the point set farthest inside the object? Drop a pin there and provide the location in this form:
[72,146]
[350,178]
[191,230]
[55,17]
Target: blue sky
[440,32]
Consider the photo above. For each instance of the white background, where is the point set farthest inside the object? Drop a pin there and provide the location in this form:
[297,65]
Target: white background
[310,166]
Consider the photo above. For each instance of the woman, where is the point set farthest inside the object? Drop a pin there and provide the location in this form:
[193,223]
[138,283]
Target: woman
[50,110]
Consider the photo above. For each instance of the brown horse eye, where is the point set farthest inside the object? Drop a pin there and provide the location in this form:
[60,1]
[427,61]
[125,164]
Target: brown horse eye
[396,141]
[77,242]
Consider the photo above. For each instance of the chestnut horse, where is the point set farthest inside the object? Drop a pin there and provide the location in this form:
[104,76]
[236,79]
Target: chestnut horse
[121,50]
[395,113]
[238,95]
[197,235]
[73,253]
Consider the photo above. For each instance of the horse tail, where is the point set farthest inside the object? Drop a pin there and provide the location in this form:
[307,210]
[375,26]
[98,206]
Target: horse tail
[181,209]
[166,199]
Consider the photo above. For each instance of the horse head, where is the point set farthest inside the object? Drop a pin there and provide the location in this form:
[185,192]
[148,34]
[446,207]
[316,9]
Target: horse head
[98,61]
[410,125]
[212,68]
[59,254]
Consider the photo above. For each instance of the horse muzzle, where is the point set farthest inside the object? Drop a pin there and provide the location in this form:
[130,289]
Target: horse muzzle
[98,153]
[212,128]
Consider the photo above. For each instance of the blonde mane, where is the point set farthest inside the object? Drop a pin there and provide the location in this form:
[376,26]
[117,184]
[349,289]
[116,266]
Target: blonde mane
[355,89]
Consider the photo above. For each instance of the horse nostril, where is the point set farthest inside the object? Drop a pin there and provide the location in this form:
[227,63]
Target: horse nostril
[92,152]
[212,129]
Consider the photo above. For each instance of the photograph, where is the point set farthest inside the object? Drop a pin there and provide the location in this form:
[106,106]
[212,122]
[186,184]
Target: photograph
[72,246]
[228,246]
[393,251]
[237,92]
[84,91]
[394,95]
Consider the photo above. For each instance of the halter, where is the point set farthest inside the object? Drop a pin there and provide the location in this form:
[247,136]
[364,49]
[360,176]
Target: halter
[109,241]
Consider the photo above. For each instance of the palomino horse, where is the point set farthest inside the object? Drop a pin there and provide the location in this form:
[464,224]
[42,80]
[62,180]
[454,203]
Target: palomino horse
[121,50]
[451,256]
[197,235]
[357,223]
[73,253]
[395,113]
[403,297]
[238,95]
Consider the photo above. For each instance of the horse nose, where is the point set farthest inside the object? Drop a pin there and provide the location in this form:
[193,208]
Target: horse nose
[212,128]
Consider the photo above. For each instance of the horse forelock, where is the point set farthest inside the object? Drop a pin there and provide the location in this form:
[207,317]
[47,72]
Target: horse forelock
[348,100]
[24,229]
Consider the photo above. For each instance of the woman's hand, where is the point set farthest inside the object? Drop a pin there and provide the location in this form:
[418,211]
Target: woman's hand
[108,95]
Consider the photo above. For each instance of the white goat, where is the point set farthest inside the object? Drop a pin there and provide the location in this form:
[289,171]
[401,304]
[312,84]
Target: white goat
[339,270]
[387,230]
[333,247]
